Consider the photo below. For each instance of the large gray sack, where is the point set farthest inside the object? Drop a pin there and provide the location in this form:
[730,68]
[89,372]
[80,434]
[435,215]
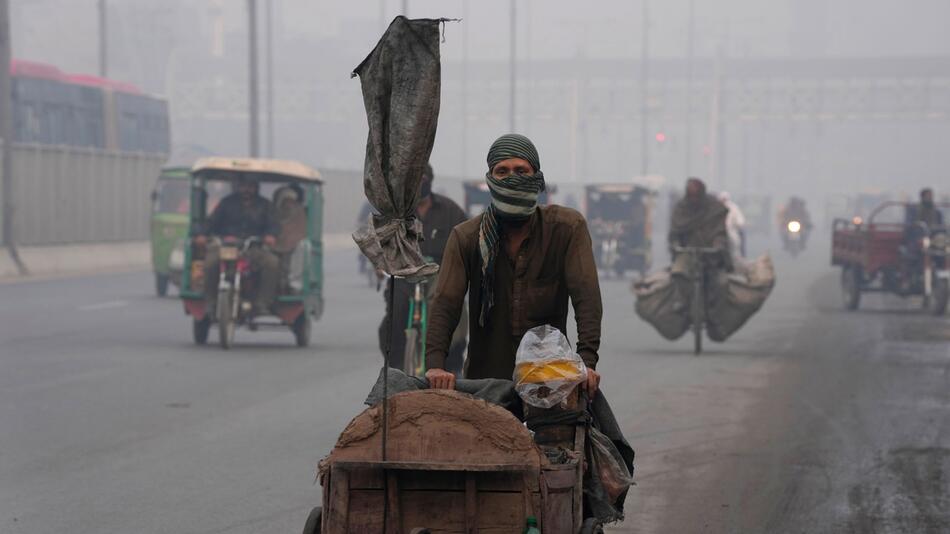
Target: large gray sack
[662,303]
[735,297]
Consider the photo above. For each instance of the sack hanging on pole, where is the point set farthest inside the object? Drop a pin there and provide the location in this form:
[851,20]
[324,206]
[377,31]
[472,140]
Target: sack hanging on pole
[401,83]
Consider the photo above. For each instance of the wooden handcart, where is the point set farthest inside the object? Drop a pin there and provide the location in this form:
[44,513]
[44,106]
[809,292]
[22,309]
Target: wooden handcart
[453,463]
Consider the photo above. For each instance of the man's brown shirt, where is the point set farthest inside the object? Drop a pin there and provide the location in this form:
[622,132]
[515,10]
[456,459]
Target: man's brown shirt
[555,262]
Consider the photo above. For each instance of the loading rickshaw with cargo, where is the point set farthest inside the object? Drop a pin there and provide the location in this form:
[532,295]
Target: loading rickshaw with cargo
[286,259]
[620,219]
[891,251]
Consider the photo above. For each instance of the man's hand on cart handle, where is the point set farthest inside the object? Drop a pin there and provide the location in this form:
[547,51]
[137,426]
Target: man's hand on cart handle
[440,379]
[592,383]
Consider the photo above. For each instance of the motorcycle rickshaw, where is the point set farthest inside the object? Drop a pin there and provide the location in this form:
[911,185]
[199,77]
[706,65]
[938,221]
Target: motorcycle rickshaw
[169,225]
[891,253]
[477,196]
[297,193]
[620,217]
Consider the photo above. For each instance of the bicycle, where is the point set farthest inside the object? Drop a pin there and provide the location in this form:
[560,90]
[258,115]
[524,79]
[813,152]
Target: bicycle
[414,360]
[697,273]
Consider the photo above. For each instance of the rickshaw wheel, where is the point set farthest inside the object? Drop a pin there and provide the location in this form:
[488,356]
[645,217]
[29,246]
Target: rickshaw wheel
[301,328]
[225,322]
[161,284]
[941,294]
[312,526]
[851,287]
[200,329]
[590,526]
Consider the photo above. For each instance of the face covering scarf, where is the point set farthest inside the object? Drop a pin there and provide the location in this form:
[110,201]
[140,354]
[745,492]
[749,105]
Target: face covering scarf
[513,199]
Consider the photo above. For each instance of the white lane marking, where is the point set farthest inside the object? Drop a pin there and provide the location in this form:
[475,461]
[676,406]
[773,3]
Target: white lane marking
[104,305]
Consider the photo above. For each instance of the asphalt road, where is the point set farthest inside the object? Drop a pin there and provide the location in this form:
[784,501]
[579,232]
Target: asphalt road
[810,419]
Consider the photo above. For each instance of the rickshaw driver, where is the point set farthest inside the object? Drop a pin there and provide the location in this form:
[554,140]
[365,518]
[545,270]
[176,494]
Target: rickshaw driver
[925,213]
[519,263]
[242,214]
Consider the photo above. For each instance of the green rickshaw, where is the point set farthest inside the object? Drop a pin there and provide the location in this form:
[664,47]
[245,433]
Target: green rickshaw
[296,194]
[169,226]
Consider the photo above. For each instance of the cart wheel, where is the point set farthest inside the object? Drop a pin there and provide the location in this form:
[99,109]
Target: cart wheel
[697,340]
[199,330]
[591,526]
[161,284]
[301,329]
[941,293]
[312,526]
[225,320]
[851,287]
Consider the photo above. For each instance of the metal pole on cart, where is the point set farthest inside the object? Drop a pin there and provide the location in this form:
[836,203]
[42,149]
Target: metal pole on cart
[389,352]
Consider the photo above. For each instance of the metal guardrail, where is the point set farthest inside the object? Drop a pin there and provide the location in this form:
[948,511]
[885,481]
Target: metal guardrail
[76,195]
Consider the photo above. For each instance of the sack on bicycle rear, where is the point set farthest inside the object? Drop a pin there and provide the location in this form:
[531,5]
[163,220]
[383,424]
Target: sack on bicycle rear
[735,297]
[662,303]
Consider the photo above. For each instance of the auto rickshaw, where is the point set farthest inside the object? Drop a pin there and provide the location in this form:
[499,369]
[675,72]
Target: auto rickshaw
[620,217]
[169,225]
[891,253]
[477,196]
[299,248]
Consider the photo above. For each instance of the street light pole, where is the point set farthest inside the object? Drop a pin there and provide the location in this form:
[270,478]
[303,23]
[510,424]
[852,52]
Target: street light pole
[464,95]
[6,132]
[254,141]
[689,86]
[405,8]
[644,92]
[269,74]
[512,104]
[103,40]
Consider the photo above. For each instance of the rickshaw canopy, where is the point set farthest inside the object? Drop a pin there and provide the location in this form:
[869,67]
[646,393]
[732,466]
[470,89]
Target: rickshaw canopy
[272,169]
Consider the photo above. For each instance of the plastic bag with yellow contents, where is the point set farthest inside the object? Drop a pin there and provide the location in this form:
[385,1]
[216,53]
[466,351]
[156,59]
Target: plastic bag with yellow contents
[546,367]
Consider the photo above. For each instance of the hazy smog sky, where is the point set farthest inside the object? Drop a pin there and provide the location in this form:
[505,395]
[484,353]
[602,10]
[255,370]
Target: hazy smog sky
[589,128]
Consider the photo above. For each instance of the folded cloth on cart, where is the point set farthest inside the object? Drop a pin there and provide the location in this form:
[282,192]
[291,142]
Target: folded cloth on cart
[495,391]
[502,392]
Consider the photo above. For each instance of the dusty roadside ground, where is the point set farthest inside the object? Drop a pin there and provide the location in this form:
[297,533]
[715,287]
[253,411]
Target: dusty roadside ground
[824,421]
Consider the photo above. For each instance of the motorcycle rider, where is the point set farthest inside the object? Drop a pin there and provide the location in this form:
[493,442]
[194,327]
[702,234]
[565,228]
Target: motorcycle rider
[794,210]
[243,214]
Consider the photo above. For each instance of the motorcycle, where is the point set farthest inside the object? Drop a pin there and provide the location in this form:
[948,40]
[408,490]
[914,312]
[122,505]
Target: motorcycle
[793,237]
[235,287]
